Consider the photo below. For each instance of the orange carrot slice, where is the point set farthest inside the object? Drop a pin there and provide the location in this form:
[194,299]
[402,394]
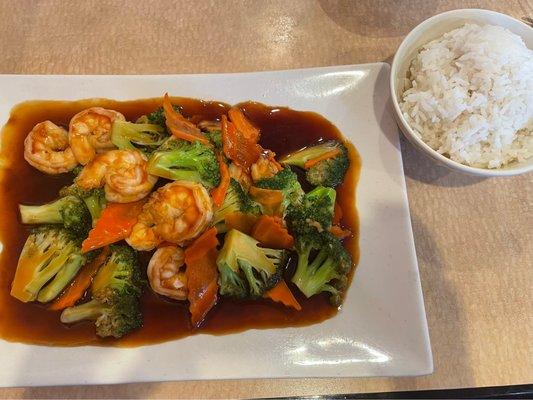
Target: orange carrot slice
[179,126]
[270,232]
[81,282]
[240,147]
[339,232]
[243,125]
[115,224]
[328,154]
[271,200]
[282,294]
[218,194]
[202,275]
[241,222]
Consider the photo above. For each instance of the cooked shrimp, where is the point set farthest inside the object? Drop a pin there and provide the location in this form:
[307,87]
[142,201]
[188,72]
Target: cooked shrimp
[90,132]
[240,175]
[176,212]
[166,273]
[122,173]
[266,166]
[46,148]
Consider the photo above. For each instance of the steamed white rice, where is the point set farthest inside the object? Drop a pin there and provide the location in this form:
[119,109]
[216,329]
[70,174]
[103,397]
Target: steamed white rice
[470,96]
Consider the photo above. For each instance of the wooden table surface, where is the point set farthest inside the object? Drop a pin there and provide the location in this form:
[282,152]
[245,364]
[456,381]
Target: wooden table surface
[472,235]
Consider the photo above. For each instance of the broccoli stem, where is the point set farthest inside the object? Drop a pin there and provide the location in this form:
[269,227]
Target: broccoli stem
[174,174]
[313,278]
[95,204]
[300,157]
[90,310]
[299,276]
[62,279]
[165,165]
[44,214]
[127,135]
[255,289]
[51,266]
[317,262]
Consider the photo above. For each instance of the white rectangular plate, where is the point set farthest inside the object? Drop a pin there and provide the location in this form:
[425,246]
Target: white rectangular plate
[381,329]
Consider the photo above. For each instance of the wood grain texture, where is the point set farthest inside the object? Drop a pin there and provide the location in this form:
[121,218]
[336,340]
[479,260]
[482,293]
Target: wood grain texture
[473,236]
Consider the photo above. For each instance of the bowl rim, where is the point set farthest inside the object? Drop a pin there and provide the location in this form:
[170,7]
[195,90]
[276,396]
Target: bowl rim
[406,128]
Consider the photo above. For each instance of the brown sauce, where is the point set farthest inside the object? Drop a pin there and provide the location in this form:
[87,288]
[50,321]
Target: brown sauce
[282,130]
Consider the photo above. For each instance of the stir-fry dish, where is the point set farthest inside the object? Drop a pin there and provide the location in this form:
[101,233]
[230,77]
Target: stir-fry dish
[217,216]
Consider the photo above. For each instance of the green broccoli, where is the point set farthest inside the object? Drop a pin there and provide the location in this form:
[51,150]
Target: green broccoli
[247,270]
[236,200]
[49,260]
[156,117]
[286,181]
[323,265]
[178,159]
[143,137]
[315,212]
[328,172]
[115,291]
[323,262]
[70,211]
[94,199]
[215,137]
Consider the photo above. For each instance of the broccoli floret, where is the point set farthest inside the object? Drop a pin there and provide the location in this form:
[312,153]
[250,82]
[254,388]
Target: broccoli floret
[315,212]
[323,265]
[115,290]
[77,170]
[236,200]
[329,172]
[323,262]
[215,137]
[70,211]
[247,270]
[178,159]
[286,181]
[94,199]
[143,137]
[51,257]
[157,117]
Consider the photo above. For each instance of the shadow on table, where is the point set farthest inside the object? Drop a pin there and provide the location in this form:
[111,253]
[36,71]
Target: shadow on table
[422,168]
[378,18]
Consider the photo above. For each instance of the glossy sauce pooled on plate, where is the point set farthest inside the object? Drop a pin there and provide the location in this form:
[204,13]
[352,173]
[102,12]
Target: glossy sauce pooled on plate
[282,130]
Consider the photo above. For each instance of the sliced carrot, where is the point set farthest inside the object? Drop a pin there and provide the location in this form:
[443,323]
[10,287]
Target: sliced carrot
[115,224]
[239,147]
[243,125]
[337,214]
[282,294]
[179,126]
[339,232]
[270,232]
[218,194]
[81,282]
[271,200]
[202,275]
[241,222]
[327,155]
[202,245]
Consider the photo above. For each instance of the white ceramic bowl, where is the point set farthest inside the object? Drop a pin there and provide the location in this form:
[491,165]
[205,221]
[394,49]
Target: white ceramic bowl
[431,29]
